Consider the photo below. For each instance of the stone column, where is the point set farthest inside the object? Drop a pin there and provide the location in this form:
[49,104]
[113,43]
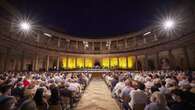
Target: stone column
[59,42]
[144,40]
[77,44]
[118,62]
[186,57]
[101,46]
[58,63]
[93,46]
[36,68]
[109,62]
[1,62]
[16,65]
[135,41]
[126,61]
[171,60]
[117,46]
[126,43]
[33,63]
[157,61]
[84,62]
[38,38]
[76,62]
[67,62]
[145,62]
[67,44]
[22,62]
[7,58]
[136,64]
[47,63]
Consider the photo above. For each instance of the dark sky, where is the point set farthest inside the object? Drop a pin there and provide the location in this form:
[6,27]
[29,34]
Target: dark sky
[93,17]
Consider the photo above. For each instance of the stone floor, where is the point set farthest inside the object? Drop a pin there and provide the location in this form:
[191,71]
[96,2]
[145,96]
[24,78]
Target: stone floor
[97,96]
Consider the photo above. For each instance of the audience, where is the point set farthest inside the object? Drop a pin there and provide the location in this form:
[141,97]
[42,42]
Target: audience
[141,90]
[28,105]
[41,90]
[39,99]
[158,102]
[153,90]
[7,103]
[138,97]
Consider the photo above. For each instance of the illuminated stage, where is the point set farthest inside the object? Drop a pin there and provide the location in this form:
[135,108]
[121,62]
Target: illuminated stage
[95,71]
[91,71]
[114,62]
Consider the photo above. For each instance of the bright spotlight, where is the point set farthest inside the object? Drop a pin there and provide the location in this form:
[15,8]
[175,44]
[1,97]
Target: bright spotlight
[169,24]
[25,26]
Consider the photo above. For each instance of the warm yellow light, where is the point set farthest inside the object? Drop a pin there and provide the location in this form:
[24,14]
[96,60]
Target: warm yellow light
[113,62]
[130,62]
[71,63]
[122,62]
[80,62]
[88,62]
[105,62]
[64,65]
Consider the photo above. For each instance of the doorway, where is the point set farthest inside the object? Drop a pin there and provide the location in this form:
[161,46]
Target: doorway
[97,65]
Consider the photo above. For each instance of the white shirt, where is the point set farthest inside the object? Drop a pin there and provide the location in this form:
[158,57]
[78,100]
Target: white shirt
[149,84]
[164,90]
[183,83]
[119,86]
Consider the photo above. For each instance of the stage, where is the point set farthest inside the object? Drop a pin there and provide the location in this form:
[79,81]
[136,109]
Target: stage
[95,72]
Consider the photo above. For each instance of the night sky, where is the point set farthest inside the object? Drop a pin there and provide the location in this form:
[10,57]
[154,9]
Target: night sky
[87,18]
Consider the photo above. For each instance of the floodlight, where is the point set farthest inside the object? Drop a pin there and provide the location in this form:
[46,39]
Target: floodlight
[25,26]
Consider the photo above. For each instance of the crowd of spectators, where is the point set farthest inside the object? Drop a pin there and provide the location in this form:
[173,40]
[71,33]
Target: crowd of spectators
[41,91]
[153,90]
[142,90]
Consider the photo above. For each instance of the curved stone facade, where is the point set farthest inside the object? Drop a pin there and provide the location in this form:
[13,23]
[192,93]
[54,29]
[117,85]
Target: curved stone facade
[48,49]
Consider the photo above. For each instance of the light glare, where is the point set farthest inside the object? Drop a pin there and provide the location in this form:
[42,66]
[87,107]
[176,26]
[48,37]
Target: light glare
[169,24]
[25,26]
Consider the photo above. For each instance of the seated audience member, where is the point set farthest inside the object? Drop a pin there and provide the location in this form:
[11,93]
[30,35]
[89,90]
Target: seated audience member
[125,94]
[154,89]
[109,78]
[192,84]
[148,83]
[66,94]
[7,103]
[163,89]
[72,85]
[158,102]
[5,90]
[118,88]
[28,105]
[179,103]
[114,81]
[54,100]
[39,99]
[183,83]
[138,97]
